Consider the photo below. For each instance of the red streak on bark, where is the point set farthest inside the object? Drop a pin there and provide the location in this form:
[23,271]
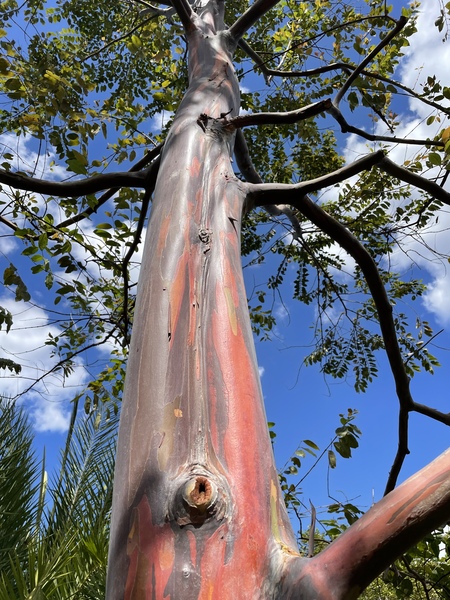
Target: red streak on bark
[144,554]
[177,288]
[213,554]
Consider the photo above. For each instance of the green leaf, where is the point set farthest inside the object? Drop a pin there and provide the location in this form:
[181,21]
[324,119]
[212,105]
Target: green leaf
[332,459]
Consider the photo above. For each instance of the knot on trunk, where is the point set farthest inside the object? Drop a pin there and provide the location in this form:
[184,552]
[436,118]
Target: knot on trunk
[199,498]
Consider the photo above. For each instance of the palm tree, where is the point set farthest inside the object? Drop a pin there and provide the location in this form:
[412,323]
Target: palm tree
[54,537]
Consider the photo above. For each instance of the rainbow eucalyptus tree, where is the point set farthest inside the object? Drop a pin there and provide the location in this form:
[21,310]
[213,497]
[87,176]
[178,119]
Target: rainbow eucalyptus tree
[197,509]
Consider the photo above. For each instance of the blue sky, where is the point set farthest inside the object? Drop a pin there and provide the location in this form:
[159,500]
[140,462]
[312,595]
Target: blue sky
[302,403]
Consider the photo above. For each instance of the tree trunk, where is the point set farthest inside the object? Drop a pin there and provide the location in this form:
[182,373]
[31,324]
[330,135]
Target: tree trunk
[195,467]
[197,509]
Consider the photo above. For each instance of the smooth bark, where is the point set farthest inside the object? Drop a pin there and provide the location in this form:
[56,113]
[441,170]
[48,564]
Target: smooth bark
[196,498]
[197,511]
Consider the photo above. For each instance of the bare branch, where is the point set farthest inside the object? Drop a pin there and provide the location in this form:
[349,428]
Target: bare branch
[312,530]
[384,42]
[347,67]
[250,17]
[293,116]
[251,175]
[8,223]
[243,159]
[243,45]
[437,415]
[422,183]
[82,187]
[264,193]
[346,128]
[402,448]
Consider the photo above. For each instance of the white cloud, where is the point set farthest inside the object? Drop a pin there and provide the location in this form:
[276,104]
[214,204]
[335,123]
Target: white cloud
[7,242]
[160,120]
[261,371]
[436,299]
[419,63]
[48,400]
[29,158]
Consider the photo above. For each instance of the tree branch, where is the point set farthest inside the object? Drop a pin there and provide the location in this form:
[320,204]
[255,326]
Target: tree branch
[422,183]
[340,66]
[185,12]
[346,128]
[269,118]
[247,169]
[143,162]
[384,42]
[262,64]
[82,187]
[437,415]
[64,361]
[250,17]
[418,506]
[295,195]
[264,193]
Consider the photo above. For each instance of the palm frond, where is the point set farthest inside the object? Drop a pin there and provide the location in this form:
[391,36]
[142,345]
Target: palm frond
[19,481]
[68,524]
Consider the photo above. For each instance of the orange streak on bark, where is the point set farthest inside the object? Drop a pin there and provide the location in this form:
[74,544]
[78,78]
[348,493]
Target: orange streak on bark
[177,287]
[147,551]
[163,232]
[241,393]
